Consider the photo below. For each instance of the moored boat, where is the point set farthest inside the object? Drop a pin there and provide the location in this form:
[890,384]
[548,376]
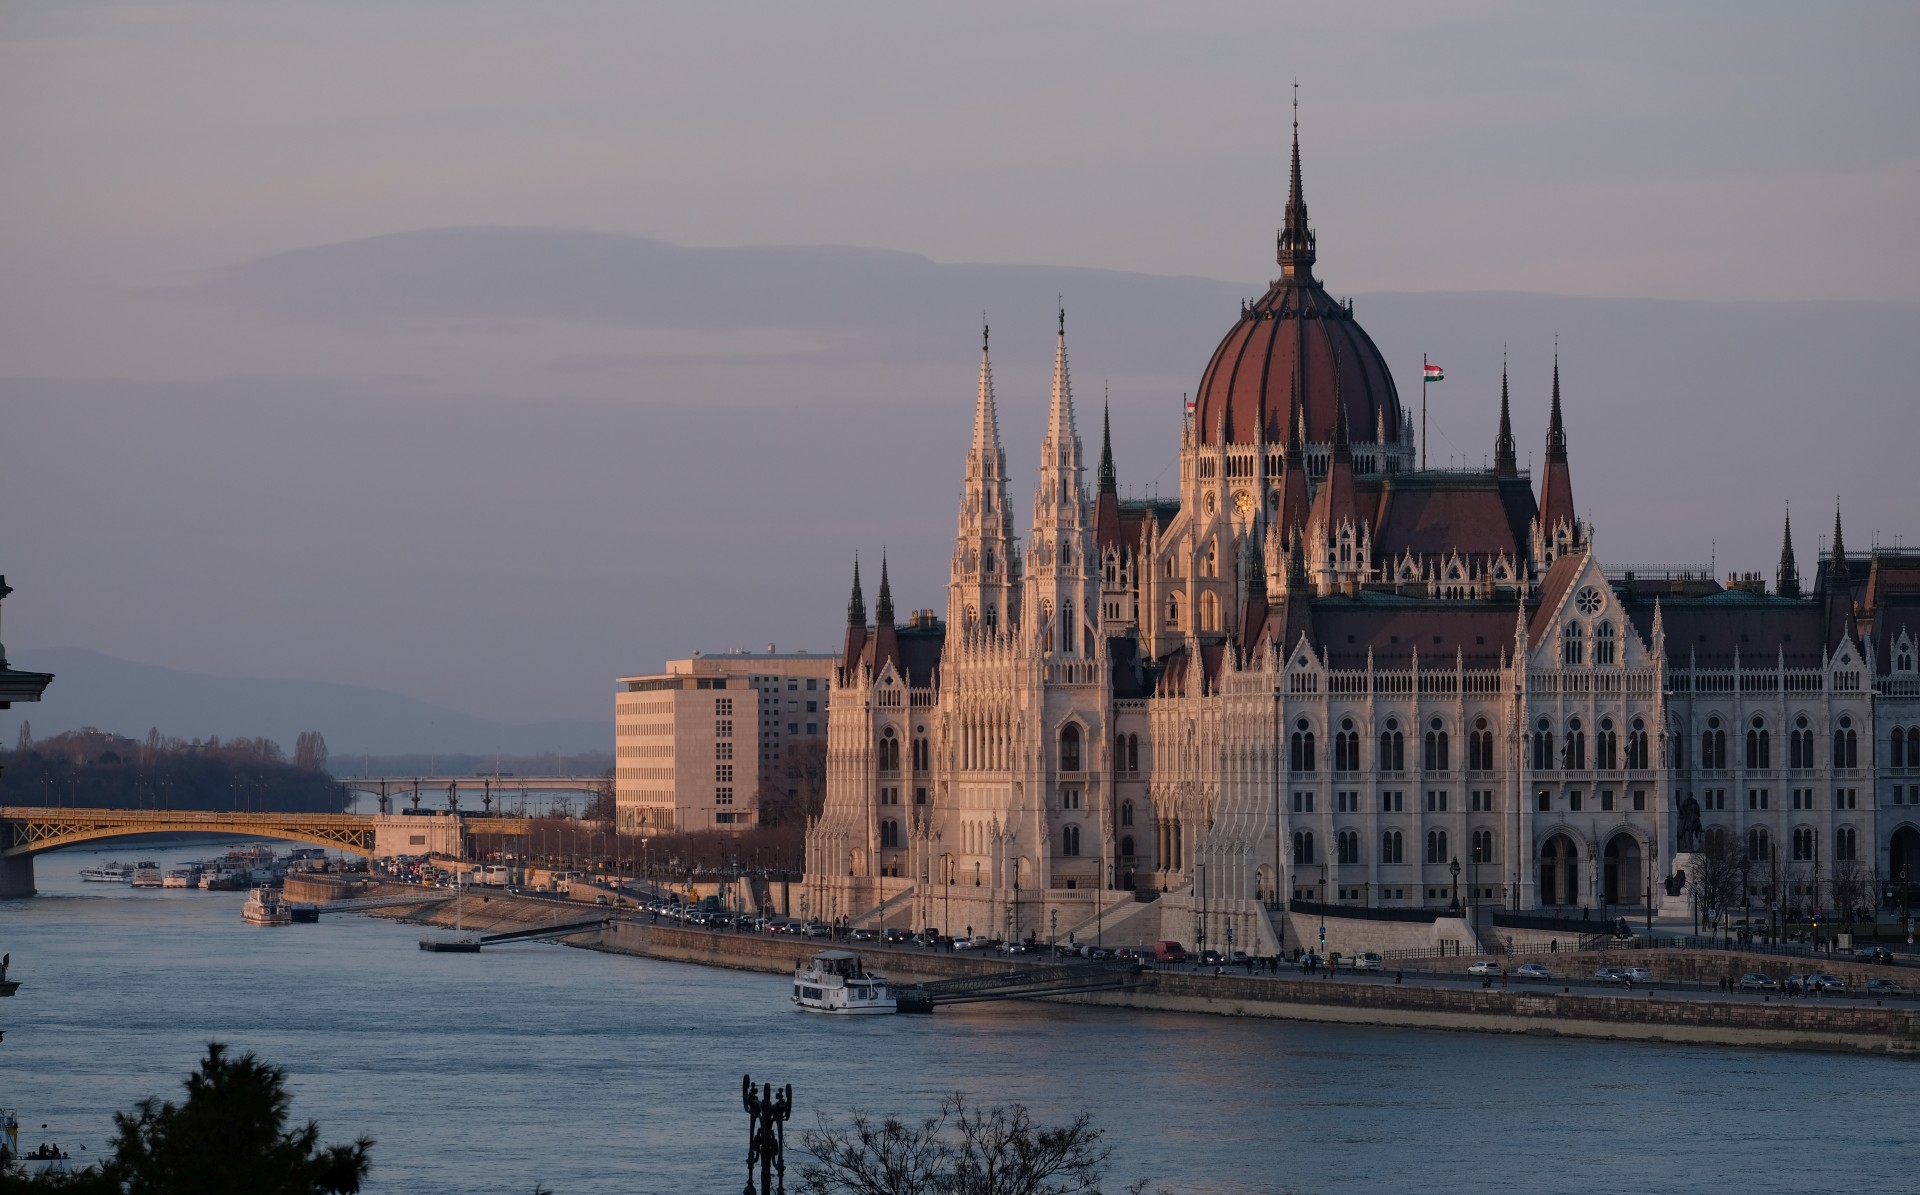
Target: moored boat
[182,877]
[266,907]
[106,873]
[147,875]
[836,981]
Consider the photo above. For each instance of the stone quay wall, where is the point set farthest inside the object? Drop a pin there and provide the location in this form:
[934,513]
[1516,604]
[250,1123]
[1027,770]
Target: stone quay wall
[1833,1026]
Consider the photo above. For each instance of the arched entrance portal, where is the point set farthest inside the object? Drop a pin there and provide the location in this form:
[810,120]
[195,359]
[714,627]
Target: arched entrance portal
[1624,878]
[1903,866]
[1559,871]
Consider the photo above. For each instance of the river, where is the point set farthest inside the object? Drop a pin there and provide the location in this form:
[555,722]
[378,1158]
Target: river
[588,1073]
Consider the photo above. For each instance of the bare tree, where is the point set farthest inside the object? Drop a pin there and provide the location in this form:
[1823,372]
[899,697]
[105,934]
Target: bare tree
[25,741]
[1852,891]
[962,1150]
[1719,876]
[310,751]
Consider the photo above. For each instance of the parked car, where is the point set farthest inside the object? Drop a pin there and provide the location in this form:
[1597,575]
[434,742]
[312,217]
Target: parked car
[1483,967]
[1238,958]
[1873,954]
[1754,981]
[1878,986]
[1820,981]
[1211,958]
[862,935]
[1312,962]
[1366,960]
[1610,975]
[894,934]
[1166,951]
[1532,971]
[1639,974]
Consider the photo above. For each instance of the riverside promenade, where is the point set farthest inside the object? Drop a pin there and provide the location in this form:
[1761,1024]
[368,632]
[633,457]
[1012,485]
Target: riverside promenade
[1683,1013]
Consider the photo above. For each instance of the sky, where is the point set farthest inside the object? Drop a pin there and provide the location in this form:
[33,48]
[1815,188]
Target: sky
[205,339]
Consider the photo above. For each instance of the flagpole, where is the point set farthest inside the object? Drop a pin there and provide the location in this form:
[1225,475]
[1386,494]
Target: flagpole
[1423,412]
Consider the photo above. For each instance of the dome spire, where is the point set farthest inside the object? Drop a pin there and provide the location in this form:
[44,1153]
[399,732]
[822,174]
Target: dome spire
[1838,570]
[1296,244]
[1787,581]
[1556,431]
[1506,461]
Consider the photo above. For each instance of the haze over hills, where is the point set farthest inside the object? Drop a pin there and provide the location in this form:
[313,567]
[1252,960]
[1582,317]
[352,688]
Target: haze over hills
[495,468]
[127,698]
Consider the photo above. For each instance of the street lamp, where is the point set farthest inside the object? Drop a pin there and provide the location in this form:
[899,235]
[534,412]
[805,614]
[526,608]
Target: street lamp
[1454,867]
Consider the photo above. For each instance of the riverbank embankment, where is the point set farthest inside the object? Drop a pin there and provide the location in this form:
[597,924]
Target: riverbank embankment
[1834,1026]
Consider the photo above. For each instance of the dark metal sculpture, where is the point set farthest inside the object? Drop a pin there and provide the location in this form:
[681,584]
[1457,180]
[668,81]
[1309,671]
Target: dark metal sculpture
[767,1113]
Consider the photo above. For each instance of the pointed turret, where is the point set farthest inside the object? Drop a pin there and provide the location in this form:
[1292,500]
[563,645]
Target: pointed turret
[1558,523]
[1253,621]
[1107,535]
[1295,250]
[1787,580]
[1506,458]
[856,641]
[857,604]
[886,641]
[1060,575]
[1839,588]
[982,586]
[1294,510]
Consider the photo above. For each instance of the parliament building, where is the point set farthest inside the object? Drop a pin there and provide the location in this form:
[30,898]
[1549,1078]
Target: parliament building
[1327,676]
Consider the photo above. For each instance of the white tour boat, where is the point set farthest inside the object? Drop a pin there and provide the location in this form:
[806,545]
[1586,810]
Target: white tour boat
[182,877]
[265,907]
[147,875]
[107,873]
[835,981]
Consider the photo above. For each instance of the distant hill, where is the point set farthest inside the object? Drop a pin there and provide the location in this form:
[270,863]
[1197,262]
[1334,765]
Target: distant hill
[127,698]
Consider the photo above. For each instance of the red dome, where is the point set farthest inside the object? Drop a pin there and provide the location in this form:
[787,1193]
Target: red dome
[1295,330]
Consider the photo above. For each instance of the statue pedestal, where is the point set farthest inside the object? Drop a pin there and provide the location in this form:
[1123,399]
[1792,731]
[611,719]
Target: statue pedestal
[1679,906]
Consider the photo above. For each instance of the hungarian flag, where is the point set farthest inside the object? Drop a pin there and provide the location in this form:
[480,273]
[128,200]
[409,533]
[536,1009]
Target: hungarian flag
[1435,374]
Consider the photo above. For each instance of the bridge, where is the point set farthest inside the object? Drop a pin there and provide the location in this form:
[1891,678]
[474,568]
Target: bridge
[26,831]
[449,791]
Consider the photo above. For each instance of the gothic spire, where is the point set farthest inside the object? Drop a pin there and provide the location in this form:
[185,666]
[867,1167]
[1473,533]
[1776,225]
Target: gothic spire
[857,605]
[1296,243]
[1787,581]
[1838,571]
[883,606]
[986,455]
[1506,462]
[1109,480]
[1556,431]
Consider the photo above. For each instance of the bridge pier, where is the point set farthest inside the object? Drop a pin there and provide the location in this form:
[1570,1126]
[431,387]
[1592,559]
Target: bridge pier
[16,876]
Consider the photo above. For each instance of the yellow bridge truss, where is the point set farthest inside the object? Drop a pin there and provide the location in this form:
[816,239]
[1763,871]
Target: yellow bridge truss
[28,830]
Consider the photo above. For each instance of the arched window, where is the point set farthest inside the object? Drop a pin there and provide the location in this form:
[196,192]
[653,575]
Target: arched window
[1133,753]
[1173,609]
[1759,752]
[1210,566]
[1637,746]
[1480,747]
[1070,841]
[1120,753]
[1606,747]
[1759,845]
[1573,645]
[1803,844]
[889,751]
[1349,843]
[1046,626]
[1346,747]
[1483,846]
[922,753]
[1846,745]
[1574,755]
[1844,844]
[1436,846]
[1300,756]
[993,618]
[1713,746]
[889,833]
[1070,748]
[1543,747]
[1302,847]
[1069,627]
[1126,814]
[1603,643]
[1390,847]
[1209,611]
[1126,847]
[1393,748]
[1436,746]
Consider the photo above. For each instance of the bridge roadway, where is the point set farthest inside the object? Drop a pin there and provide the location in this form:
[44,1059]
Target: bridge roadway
[26,831]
